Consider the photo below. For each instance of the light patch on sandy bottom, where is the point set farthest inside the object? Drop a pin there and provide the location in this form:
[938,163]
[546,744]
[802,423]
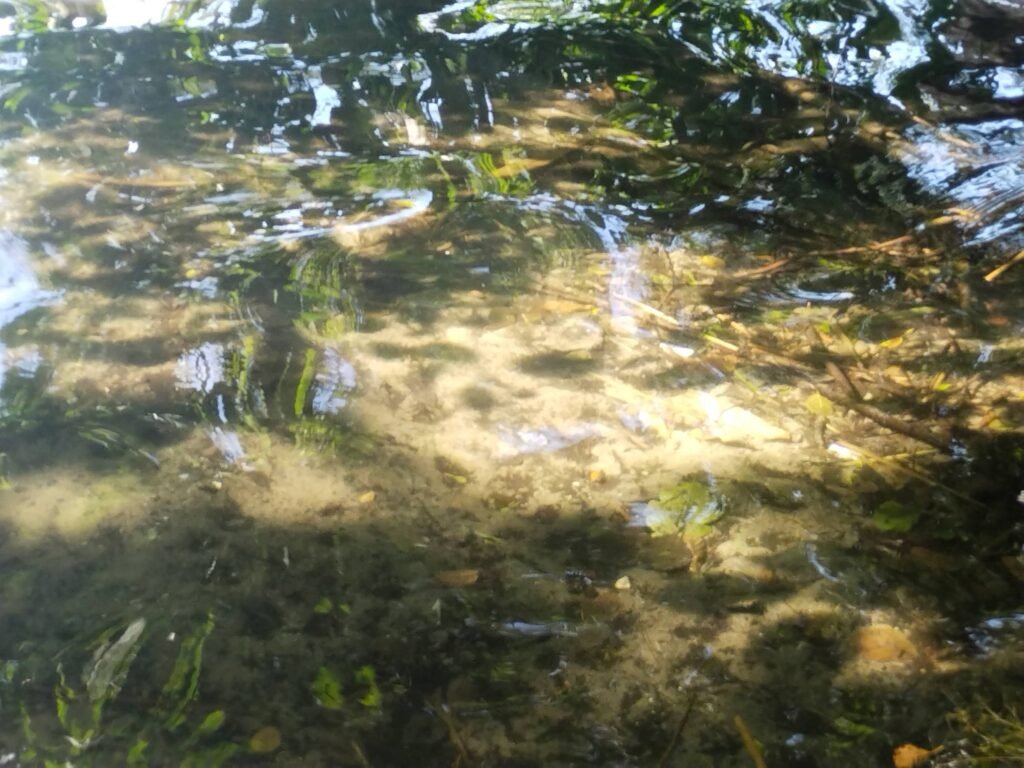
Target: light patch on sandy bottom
[271,480]
[291,487]
[125,350]
[155,320]
[491,399]
[73,502]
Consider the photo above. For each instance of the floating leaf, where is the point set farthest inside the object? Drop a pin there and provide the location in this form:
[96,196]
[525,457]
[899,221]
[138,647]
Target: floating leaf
[266,739]
[684,496]
[368,677]
[367,498]
[694,531]
[850,728]
[518,165]
[458,578]
[911,755]
[324,605]
[893,517]
[818,404]
[137,754]
[211,723]
[327,689]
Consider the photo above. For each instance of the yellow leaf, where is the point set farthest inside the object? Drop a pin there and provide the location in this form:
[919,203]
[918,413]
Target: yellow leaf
[911,755]
[266,739]
[452,480]
[897,375]
[463,577]
[367,498]
[892,343]
[517,166]
[323,606]
[818,404]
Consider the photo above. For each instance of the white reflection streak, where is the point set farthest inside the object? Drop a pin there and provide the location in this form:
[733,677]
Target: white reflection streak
[419,200]
[334,383]
[128,14]
[20,290]
[327,99]
[202,368]
[217,14]
[627,282]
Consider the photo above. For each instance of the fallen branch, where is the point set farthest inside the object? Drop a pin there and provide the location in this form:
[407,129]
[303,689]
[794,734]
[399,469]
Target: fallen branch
[440,709]
[648,309]
[767,269]
[883,245]
[893,462]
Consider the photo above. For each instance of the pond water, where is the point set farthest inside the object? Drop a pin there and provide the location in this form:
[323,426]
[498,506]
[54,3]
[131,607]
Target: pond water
[511,383]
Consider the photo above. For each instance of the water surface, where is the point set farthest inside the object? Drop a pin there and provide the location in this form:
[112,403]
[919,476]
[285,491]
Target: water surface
[509,383]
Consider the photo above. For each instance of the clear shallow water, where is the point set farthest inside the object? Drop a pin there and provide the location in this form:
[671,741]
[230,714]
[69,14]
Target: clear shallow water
[463,386]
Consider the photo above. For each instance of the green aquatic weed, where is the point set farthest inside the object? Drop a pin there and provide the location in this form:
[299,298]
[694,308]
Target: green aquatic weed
[893,517]
[327,689]
[366,676]
[183,685]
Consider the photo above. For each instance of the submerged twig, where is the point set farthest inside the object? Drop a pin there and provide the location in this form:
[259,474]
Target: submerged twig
[995,273]
[677,734]
[439,709]
[899,466]
[648,309]
[892,423]
[767,269]
[749,744]
[360,754]
[875,246]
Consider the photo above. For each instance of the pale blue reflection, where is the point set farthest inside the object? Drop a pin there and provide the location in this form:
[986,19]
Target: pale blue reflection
[335,382]
[202,368]
[20,290]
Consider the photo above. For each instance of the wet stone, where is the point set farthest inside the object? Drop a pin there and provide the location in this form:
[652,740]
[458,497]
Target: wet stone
[576,334]
[667,554]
